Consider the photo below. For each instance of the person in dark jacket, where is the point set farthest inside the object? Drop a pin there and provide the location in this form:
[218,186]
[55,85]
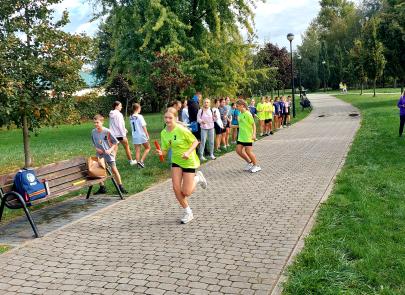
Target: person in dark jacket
[193,107]
[401,106]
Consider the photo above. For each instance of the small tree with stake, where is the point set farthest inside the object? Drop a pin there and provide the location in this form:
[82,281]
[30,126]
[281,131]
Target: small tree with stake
[39,66]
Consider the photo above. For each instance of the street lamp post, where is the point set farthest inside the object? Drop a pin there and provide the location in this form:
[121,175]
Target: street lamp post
[299,72]
[290,37]
[324,80]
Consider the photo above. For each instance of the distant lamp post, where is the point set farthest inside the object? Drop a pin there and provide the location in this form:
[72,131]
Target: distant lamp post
[324,80]
[299,72]
[290,37]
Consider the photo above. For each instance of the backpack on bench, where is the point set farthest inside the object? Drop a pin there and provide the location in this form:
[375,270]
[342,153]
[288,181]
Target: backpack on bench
[28,186]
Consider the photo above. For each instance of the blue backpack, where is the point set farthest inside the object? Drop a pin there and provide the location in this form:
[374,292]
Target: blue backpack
[28,186]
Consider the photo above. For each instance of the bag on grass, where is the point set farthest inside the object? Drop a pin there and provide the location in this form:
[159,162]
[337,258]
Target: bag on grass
[28,186]
[96,167]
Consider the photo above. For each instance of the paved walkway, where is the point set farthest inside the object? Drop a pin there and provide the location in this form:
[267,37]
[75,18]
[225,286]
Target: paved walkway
[246,226]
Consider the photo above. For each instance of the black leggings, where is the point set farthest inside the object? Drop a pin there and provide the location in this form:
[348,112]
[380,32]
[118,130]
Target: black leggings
[401,124]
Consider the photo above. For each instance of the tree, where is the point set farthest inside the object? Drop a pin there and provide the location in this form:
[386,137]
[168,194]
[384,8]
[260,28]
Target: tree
[391,33]
[205,34]
[40,66]
[168,79]
[358,59]
[374,58]
[271,56]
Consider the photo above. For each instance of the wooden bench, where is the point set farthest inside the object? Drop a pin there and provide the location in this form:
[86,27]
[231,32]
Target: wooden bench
[63,177]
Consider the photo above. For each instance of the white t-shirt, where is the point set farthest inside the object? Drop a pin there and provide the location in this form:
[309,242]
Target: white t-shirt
[217,116]
[137,123]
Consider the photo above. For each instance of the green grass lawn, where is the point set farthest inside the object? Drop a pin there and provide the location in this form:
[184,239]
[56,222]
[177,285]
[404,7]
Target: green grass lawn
[69,141]
[357,245]
[368,91]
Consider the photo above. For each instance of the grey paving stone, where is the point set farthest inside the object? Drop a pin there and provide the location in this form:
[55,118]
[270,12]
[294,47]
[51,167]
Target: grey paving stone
[245,227]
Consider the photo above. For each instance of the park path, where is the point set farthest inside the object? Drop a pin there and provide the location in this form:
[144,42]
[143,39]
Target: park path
[245,230]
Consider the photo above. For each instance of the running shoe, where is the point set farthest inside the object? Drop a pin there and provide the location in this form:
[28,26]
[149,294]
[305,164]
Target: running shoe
[202,159]
[201,180]
[132,162]
[248,167]
[255,169]
[102,190]
[187,218]
[212,157]
[141,164]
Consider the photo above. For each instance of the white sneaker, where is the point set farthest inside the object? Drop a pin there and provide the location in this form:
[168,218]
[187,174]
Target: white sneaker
[212,157]
[202,159]
[255,169]
[133,162]
[187,218]
[201,179]
[248,167]
[233,142]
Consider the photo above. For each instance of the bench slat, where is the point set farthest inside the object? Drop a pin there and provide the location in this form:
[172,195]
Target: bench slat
[62,165]
[53,175]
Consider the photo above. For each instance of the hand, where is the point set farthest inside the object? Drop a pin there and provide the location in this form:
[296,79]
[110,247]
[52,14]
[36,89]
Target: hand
[159,152]
[108,152]
[186,155]
[254,137]
[99,151]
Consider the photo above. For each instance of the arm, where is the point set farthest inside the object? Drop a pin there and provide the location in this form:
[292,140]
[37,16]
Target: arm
[146,131]
[194,145]
[254,131]
[199,116]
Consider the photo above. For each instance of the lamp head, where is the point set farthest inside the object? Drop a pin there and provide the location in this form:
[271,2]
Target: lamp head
[290,37]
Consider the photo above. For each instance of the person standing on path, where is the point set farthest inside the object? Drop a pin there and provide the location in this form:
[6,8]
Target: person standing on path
[401,106]
[118,130]
[206,119]
[193,107]
[246,136]
[184,161]
[261,115]
[218,124]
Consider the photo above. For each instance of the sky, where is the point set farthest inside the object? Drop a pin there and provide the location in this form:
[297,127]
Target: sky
[274,19]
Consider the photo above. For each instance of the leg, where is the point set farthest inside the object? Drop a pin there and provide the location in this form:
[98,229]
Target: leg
[242,154]
[89,191]
[117,175]
[188,185]
[137,152]
[217,141]
[228,130]
[115,182]
[250,154]
[146,145]
[177,178]
[261,122]
[211,135]
[401,124]
[204,133]
[125,143]
[223,138]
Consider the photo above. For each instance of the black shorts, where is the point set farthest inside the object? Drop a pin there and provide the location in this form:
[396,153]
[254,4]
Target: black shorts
[120,138]
[228,125]
[218,129]
[267,121]
[245,143]
[185,170]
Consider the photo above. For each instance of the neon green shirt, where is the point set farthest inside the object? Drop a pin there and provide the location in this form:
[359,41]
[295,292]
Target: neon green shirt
[180,140]
[246,122]
[267,110]
[260,111]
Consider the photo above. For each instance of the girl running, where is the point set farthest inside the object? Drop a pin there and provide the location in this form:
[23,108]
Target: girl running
[246,136]
[140,135]
[184,161]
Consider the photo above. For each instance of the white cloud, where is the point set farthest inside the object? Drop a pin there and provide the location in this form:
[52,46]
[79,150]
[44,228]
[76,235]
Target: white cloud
[276,18]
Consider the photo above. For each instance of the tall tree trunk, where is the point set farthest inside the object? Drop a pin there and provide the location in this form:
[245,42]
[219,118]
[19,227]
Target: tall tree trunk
[361,88]
[374,86]
[26,140]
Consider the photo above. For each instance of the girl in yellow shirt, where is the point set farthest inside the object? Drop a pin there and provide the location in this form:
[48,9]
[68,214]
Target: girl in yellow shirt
[184,161]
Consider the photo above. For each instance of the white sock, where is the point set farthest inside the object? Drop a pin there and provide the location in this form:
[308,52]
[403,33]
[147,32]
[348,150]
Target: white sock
[188,210]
